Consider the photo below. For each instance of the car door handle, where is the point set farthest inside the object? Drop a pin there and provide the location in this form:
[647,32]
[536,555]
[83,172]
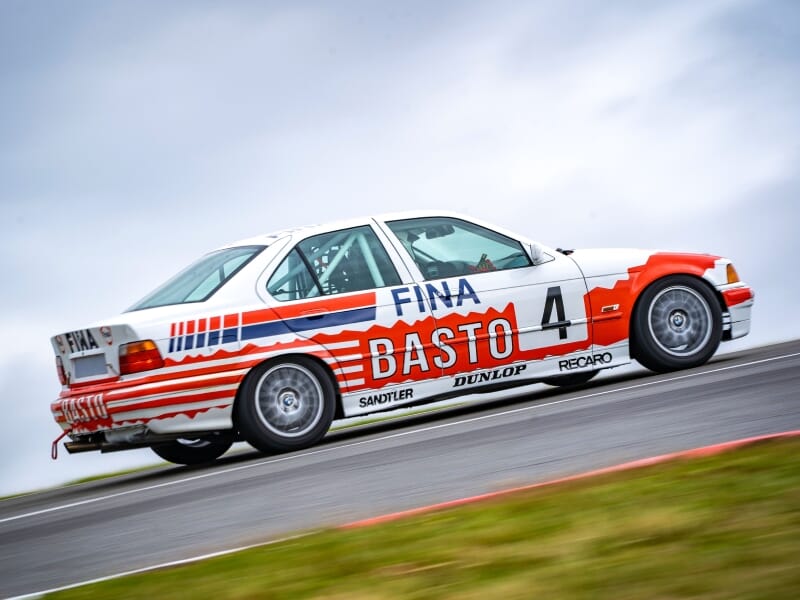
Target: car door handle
[316,313]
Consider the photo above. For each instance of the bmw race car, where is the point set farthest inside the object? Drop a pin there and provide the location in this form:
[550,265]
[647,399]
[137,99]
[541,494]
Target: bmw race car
[270,339]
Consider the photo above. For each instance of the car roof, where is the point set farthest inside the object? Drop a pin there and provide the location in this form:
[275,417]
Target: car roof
[307,230]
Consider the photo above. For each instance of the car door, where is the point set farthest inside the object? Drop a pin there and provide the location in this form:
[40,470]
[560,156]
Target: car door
[335,289]
[499,314]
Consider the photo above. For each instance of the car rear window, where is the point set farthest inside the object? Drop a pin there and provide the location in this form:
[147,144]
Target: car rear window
[200,280]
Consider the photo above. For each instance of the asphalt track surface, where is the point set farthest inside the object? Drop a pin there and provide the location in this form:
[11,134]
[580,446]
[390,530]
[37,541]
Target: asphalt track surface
[75,534]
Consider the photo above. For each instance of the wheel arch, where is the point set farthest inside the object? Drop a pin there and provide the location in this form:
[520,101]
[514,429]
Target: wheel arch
[647,283]
[338,409]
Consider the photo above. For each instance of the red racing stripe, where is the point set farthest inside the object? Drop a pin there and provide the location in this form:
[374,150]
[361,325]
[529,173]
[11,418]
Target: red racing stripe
[215,395]
[178,386]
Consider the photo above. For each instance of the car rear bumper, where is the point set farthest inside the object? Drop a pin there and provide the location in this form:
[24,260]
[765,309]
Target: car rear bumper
[159,405]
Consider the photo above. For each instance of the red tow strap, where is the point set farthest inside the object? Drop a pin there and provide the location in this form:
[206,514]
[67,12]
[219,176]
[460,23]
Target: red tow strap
[54,447]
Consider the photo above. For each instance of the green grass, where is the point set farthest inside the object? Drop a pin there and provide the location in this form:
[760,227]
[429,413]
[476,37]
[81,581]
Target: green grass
[726,526]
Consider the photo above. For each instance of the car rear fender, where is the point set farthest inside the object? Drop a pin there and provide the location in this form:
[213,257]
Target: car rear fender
[320,356]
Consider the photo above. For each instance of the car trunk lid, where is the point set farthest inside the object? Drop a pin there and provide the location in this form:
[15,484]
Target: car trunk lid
[91,354]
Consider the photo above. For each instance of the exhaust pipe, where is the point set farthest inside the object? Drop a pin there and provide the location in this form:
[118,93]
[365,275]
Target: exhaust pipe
[76,447]
[120,440]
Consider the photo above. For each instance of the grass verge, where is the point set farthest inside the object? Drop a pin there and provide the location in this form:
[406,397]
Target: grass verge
[725,526]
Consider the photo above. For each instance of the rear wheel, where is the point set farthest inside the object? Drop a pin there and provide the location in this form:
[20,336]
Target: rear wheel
[193,451]
[677,324]
[286,405]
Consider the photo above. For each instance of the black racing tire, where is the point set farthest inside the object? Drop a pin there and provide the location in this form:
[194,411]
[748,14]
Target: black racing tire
[286,405]
[677,324]
[193,451]
[570,379]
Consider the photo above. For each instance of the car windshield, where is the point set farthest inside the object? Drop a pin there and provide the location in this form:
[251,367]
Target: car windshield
[202,279]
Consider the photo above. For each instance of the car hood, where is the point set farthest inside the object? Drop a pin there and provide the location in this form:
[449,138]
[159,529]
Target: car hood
[597,262]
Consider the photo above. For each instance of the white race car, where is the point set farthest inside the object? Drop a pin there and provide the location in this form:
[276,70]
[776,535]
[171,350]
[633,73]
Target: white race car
[271,338]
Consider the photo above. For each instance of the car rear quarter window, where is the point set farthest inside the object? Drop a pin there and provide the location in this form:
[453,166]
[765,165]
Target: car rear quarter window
[347,260]
[200,280]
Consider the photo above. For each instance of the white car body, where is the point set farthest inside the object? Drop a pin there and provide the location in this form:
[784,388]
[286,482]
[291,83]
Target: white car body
[420,338]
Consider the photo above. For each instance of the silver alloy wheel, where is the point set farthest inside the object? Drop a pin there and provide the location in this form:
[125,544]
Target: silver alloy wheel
[680,320]
[289,400]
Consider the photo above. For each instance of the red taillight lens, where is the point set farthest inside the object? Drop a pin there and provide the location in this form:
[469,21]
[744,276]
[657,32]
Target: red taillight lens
[139,356]
[62,374]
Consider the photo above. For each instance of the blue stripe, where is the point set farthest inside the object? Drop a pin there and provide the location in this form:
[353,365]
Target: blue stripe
[345,317]
[260,330]
[229,336]
[201,340]
[189,342]
[213,338]
[171,344]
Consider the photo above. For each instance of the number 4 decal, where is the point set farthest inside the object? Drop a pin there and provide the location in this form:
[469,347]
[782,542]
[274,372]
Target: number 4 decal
[555,300]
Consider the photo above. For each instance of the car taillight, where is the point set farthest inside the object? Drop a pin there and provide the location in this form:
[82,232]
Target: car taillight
[62,374]
[139,356]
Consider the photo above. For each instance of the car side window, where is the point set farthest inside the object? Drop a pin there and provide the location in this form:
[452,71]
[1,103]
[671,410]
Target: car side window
[448,247]
[348,260]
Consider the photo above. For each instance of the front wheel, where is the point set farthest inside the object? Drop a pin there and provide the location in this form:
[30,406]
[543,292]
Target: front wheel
[286,405]
[677,324]
[193,451]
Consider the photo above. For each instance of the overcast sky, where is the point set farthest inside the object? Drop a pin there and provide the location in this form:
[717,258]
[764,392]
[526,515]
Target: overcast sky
[136,136]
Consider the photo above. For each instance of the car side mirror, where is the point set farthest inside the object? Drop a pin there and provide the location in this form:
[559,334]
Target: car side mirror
[538,255]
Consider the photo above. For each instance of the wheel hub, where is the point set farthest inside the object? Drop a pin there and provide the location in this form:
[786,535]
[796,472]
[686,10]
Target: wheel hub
[289,401]
[678,320]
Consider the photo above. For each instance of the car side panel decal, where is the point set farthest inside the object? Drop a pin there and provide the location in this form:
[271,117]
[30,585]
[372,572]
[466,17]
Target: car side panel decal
[431,347]
[269,322]
[608,331]
[371,351]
